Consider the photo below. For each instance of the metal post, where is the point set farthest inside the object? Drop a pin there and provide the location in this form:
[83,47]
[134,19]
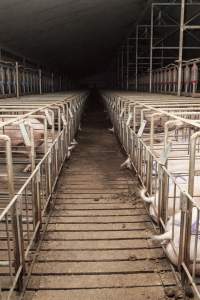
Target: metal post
[115,71]
[136,59]
[52,82]
[162,55]
[2,80]
[40,81]
[180,59]
[151,50]
[122,68]
[60,83]
[118,70]
[17,79]
[127,65]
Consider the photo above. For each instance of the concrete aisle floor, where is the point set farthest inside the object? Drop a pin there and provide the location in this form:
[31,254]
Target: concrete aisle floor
[97,242]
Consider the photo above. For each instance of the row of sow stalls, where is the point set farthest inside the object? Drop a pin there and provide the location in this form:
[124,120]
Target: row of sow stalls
[36,137]
[165,79]
[161,136]
[17,79]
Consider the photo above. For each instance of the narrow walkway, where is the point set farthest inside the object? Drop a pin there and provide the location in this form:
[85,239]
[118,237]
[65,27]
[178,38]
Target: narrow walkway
[96,245]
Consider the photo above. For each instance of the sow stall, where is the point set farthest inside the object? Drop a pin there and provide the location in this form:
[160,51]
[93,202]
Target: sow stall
[161,136]
[25,198]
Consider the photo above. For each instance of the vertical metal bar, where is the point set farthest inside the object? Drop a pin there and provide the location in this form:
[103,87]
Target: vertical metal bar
[180,58]
[17,79]
[31,82]
[118,70]
[151,49]
[122,68]
[193,140]
[60,83]
[162,55]
[52,82]
[2,80]
[8,80]
[136,59]
[40,81]
[164,196]
[127,65]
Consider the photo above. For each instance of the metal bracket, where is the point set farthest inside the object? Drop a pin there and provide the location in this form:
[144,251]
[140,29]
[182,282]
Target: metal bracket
[64,120]
[48,117]
[24,134]
[141,129]
[165,154]
[70,113]
[129,119]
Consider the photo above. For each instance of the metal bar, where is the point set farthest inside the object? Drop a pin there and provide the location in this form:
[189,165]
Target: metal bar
[176,48]
[136,59]
[40,81]
[17,79]
[176,4]
[127,66]
[151,49]
[186,27]
[180,58]
[52,82]
[122,68]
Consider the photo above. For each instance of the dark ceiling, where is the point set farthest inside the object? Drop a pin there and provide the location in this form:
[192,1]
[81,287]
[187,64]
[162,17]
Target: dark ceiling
[76,36]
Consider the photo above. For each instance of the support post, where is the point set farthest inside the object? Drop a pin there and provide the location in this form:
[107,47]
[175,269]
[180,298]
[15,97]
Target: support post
[127,65]
[118,70]
[151,50]
[180,58]
[17,79]
[122,68]
[40,81]
[52,82]
[60,83]
[136,58]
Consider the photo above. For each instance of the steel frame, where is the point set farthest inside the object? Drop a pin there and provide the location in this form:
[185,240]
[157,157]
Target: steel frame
[17,79]
[166,53]
[127,112]
[183,26]
[27,204]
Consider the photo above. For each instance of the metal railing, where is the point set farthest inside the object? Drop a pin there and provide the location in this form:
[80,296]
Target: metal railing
[18,80]
[165,80]
[21,220]
[162,141]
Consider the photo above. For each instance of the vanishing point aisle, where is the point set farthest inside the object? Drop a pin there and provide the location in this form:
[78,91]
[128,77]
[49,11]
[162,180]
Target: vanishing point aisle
[97,244]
